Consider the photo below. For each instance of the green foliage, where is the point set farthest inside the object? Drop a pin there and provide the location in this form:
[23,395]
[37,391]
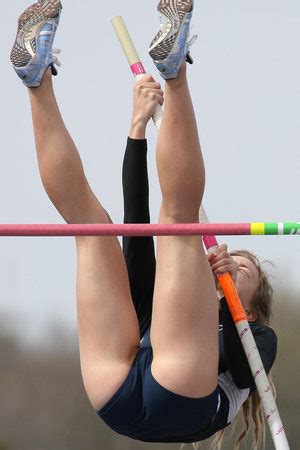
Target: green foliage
[4,446]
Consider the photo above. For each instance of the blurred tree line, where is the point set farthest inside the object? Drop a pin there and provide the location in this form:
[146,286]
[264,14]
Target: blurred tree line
[44,406]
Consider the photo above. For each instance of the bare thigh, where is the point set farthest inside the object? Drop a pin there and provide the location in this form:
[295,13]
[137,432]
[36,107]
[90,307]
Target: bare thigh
[107,322]
[184,332]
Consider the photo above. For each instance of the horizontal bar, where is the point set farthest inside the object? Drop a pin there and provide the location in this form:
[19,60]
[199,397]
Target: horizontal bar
[187,229]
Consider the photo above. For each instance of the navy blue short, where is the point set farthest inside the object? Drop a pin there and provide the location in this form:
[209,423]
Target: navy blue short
[144,410]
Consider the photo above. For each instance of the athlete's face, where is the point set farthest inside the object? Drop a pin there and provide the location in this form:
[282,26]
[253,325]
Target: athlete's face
[247,283]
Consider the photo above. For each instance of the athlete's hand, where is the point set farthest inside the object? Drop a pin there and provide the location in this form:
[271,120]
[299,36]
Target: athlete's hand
[147,94]
[221,262]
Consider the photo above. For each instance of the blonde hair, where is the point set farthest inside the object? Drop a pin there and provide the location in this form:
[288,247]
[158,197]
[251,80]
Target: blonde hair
[263,298]
[252,413]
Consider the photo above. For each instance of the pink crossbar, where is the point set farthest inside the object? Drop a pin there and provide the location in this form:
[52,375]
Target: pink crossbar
[124,229]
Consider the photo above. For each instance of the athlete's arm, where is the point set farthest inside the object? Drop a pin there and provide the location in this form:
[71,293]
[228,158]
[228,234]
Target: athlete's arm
[139,251]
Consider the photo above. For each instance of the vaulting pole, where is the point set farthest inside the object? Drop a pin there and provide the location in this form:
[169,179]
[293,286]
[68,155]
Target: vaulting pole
[234,303]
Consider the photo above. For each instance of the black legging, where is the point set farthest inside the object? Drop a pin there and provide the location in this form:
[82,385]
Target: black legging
[138,251]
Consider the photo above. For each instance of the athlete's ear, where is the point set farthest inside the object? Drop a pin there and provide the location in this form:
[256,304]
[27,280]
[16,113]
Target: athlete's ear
[251,315]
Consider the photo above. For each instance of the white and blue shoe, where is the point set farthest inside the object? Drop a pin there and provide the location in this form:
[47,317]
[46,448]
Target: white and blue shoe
[170,47]
[32,52]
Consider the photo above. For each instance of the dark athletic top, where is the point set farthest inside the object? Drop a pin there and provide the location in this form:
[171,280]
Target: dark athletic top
[140,260]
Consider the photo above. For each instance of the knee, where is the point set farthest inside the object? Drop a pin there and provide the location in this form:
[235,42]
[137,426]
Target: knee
[177,213]
[107,216]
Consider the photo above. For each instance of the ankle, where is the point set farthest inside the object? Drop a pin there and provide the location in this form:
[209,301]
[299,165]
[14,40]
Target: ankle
[45,83]
[180,79]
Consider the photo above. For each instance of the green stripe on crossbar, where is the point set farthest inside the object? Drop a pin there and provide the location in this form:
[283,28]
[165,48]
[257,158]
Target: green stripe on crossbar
[292,228]
[271,228]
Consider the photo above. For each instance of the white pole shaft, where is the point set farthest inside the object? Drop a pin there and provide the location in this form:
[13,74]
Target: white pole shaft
[263,386]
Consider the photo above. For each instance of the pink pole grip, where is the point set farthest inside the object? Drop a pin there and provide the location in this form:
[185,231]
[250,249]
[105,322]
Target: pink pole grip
[137,69]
